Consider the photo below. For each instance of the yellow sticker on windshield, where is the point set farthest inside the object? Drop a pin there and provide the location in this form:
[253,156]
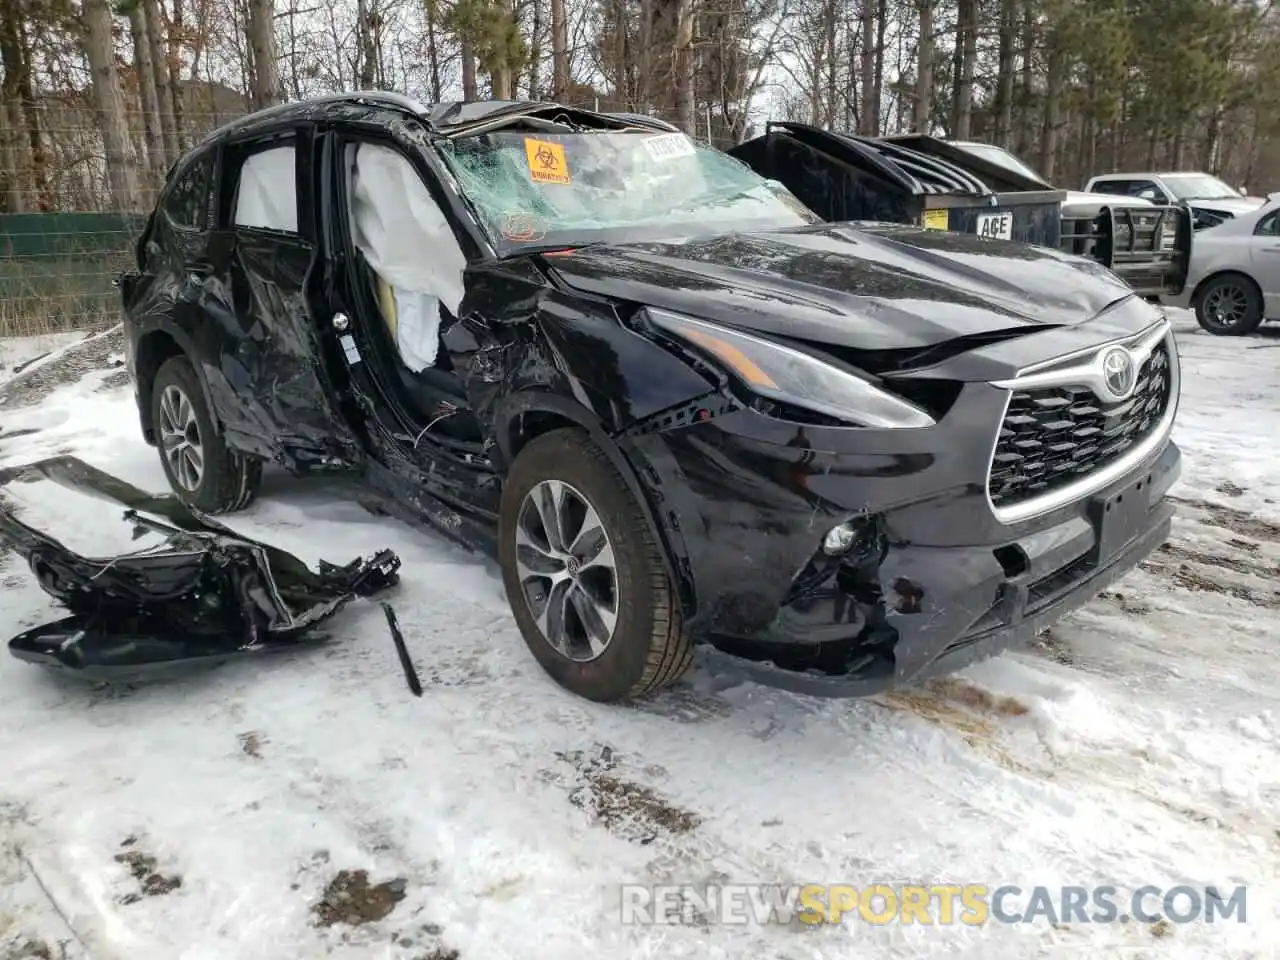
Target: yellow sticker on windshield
[936,220]
[546,161]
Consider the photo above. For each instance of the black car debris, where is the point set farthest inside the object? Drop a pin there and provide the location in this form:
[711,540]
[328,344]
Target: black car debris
[677,406]
[188,593]
[974,188]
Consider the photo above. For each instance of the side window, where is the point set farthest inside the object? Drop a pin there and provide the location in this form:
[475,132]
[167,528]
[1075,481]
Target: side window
[186,203]
[1269,226]
[1148,187]
[1119,187]
[266,192]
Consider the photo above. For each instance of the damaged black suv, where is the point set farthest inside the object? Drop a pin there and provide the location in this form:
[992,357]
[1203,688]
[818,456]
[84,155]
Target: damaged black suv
[676,406]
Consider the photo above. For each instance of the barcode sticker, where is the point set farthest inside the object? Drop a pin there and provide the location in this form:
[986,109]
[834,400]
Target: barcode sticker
[669,146]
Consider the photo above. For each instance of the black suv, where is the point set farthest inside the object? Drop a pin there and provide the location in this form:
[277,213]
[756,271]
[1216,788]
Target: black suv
[675,405]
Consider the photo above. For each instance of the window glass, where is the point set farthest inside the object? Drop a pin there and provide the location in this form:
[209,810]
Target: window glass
[267,195]
[1269,226]
[1199,186]
[580,187]
[1118,187]
[186,203]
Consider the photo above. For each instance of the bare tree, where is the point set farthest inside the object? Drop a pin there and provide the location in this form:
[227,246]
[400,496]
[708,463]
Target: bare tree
[99,51]
[262,41]
[559,50]
[924,67]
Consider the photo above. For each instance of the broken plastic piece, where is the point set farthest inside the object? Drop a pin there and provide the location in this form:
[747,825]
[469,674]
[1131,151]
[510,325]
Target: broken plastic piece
[196,593]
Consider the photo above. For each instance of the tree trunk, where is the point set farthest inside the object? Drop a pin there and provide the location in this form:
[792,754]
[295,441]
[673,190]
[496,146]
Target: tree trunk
[433,56]
[15,54]
[1004,73]
[622,79]
[368,50]
[262,41]
[924,68]
[1026,128]
[12,163]
[560,49]
[99,51]
[13,156]
[535,51]
[174,64]
[829,31]
[147,92]
[500,79]
[1209,155]
[877,86]
[644,60]
[967,41]
[868,118]
[469,92]
[1052,100]
[684,63]
[160,80]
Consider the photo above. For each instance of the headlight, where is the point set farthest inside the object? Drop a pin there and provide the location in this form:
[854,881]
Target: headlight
[789,376]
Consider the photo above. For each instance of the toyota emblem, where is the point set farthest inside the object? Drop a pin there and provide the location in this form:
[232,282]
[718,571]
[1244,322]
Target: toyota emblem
[1118,372]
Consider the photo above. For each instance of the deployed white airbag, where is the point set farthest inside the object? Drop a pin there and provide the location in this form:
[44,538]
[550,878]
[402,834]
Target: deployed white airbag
[268,192]
[409,244]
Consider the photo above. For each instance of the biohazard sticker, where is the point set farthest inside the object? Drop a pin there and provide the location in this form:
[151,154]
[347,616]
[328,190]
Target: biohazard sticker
[669,146]
[546,161]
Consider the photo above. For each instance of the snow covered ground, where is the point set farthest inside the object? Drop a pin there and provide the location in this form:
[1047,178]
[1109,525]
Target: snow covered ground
[1138,744]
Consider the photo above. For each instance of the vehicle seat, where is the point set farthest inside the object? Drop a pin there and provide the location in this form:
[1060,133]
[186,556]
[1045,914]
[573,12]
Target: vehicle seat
[435,389]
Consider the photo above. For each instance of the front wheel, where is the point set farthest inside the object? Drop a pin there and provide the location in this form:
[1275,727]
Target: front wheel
[202,470]
[584,575]
[1229,306]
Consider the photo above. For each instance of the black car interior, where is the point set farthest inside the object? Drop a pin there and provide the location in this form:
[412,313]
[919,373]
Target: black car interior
[434,396]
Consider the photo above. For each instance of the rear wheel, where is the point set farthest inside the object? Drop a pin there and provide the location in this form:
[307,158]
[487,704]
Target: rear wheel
[1229,305]
[202,470]
[584,575]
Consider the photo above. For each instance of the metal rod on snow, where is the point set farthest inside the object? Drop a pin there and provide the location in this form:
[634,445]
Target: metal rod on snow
[410,674]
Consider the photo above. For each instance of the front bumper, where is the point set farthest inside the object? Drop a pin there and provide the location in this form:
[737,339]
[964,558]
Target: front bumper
[1151,278]
[947,584]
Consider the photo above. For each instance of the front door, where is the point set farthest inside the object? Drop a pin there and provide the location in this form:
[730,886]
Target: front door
[272,387]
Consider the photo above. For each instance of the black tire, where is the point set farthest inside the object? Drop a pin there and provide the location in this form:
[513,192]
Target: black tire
[228,481]
[648,648]
[1229,305]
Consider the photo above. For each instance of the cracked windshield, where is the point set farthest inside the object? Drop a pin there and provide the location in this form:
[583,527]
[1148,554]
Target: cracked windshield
[571,189]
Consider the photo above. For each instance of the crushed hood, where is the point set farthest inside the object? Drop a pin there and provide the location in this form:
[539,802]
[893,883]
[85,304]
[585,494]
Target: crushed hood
[867,287]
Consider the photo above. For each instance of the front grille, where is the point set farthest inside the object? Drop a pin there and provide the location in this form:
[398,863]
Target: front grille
[1053,436]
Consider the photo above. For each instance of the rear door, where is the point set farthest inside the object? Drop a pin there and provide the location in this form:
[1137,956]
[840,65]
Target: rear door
[272,383]
[1264,254]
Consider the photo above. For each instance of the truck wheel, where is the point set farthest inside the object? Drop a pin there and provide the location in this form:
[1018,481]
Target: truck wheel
[1229,305]
[584,575]
[202,470]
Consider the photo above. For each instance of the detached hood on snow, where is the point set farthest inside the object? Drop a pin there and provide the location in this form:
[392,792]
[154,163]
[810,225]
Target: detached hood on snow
[870,287]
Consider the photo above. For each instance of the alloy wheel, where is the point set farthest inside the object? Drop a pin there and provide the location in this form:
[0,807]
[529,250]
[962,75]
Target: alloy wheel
[180,440]
[567,569]
[1226,306]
